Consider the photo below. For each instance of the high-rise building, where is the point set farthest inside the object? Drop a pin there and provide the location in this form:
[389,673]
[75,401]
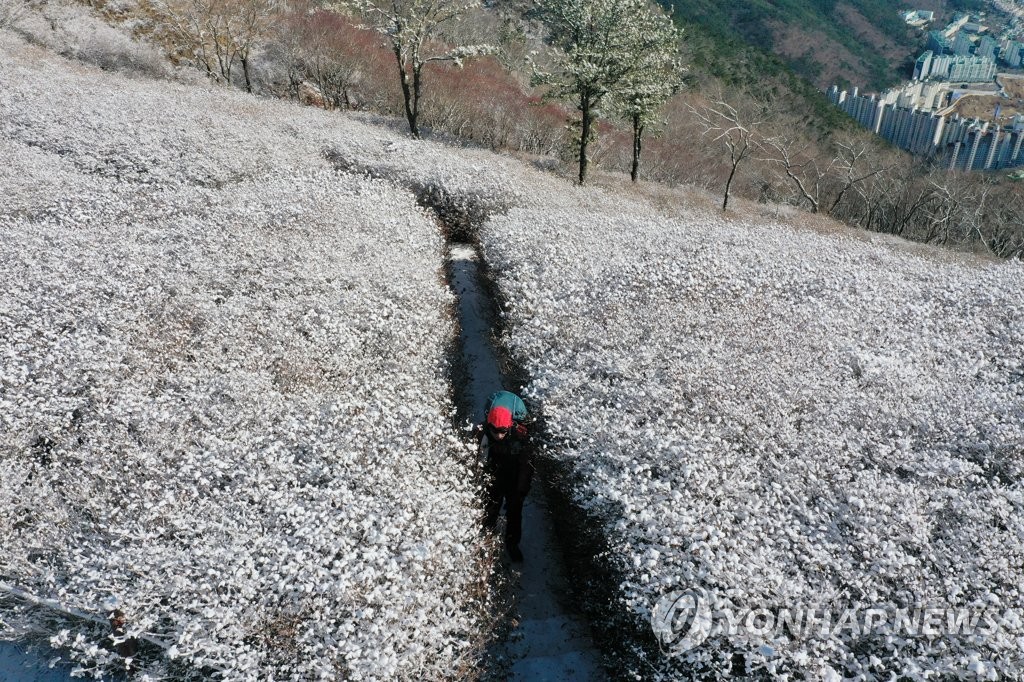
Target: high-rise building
[923,66]
[956,142]
[1011,53]
[967,68]
[960,20]
[962,44]
[987,47]
[972,69]
[938,42]
[975,145]
[927,95]
[940,66]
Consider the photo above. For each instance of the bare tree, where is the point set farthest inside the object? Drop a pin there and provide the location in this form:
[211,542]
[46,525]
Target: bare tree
[1005,231]
[416,33]
[251,21]
[215,34]
[856,162]
[738,132]
[901,202]
[800,166]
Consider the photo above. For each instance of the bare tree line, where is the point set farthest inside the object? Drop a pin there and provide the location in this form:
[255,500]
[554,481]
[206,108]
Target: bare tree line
[756,149]
[731,142]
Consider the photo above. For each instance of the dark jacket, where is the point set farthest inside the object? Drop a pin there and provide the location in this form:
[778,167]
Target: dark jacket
[508,459]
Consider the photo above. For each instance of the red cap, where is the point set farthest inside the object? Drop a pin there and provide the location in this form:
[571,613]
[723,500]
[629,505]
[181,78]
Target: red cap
[500,418]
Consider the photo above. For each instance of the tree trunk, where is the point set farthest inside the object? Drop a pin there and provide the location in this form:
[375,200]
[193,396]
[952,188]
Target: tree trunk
[245,70]
[410,114]
[293,81]
[638,133]
[584,134]
[728,183]
[417,83]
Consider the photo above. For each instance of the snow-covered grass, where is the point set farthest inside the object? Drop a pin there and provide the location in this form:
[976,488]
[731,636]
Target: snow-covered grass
[781,418]
[224,406]
[74,30]
[223,399]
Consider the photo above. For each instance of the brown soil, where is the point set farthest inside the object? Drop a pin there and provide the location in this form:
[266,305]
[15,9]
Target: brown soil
[977,106]
[836,60]
[1014,86]
[866,32]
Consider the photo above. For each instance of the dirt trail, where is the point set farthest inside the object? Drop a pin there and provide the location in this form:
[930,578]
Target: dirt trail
[548,640]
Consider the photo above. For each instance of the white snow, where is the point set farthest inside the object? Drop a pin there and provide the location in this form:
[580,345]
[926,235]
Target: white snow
[780,417]
[224,399]
[223,390]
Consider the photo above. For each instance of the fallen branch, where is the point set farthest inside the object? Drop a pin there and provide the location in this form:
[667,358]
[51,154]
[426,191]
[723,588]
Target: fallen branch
[72,612]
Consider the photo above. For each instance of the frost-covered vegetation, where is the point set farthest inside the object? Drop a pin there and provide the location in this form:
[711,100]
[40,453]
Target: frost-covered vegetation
[782,418]
[73,30]
[224,410]
[224,407]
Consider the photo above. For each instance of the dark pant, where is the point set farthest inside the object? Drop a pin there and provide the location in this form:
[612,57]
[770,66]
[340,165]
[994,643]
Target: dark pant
[497,492]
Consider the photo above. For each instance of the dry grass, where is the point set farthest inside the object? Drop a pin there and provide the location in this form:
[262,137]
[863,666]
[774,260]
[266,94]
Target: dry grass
[1014,85]
[672,202]
[983,107]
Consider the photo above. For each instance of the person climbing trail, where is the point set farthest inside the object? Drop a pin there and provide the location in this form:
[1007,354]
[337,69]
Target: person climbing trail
[505,448]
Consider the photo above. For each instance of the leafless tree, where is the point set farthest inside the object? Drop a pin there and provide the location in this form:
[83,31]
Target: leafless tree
[855,162]
[252,22]
[216,34]
[415,32]
[798,162]
[739,132]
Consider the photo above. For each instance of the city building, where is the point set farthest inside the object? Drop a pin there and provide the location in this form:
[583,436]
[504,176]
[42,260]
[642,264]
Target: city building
[1011,53]
[865,110]
[923,66]
[962,44]
[938,42]
[925,95]
[952,141]
[987,47]
[960,20]
[971,70]
[964,68]
[977,145]
[918,17]
[940,66]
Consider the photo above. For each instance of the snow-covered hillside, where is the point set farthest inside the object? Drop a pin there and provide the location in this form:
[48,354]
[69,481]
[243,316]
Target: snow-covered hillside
[223,400]
[782,418]
[224,406]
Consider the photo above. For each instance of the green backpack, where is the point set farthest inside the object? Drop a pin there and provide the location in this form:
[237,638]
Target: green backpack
[509,401]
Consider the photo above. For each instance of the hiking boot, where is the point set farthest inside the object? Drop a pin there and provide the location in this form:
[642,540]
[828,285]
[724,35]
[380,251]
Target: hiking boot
[515,553]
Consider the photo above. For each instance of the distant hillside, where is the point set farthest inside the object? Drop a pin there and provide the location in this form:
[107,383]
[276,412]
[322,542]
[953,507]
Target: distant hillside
[864,42]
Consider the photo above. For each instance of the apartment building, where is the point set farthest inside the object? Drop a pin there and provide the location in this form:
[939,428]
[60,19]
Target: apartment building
[964,68]
[954,142]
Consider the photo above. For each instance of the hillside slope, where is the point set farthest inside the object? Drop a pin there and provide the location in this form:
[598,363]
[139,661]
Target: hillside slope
[224,398]
[863,42]
[224,401]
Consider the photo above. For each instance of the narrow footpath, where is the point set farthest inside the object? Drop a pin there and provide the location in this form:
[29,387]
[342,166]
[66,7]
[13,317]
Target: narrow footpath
[548,640]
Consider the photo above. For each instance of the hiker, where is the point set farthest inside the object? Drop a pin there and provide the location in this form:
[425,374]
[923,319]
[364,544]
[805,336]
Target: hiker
[504,444]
